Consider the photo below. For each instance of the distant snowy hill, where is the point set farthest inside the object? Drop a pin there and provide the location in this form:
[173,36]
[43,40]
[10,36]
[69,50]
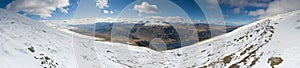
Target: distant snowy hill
[273,41]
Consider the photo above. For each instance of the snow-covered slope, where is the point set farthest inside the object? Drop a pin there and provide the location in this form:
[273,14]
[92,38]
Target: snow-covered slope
[253,45]
[25,43]
[30,44]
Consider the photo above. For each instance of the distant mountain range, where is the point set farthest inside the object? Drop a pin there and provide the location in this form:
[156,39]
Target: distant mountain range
[142,33]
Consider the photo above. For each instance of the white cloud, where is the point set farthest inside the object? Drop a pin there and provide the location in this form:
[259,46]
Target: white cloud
[145,7]
[236,10]
[105,11]
[42,8]
[277,6]
[64,10]
[199,21]
[257,12]
[111,12]
[239,5]
[245,3]
[108,12]
[174,19]
[102,3]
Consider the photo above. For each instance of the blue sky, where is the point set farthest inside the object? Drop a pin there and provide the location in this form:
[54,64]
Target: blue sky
[235,12]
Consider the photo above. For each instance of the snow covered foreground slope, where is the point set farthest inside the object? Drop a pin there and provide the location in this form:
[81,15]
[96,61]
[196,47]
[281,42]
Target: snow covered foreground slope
[26,43]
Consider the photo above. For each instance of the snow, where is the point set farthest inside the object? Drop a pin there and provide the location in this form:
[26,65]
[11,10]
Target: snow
[247,46]
[244,45]
[18,33]
[285,42]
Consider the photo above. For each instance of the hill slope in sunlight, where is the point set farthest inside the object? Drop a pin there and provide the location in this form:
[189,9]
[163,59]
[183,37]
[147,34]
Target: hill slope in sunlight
[26,43]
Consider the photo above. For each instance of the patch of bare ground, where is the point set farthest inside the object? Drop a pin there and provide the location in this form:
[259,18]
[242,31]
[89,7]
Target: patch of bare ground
[275,61]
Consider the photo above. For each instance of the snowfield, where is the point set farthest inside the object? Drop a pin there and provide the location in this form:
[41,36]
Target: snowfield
[26,43]
[273,41]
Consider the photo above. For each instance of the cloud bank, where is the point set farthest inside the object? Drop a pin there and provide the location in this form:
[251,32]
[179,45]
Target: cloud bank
[246,3]
[257,12]
[42,8]
[275,7]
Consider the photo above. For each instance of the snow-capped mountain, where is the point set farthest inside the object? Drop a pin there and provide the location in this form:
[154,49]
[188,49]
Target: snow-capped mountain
[273,41]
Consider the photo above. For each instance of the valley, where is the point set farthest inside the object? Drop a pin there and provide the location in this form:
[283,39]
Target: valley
[141,34]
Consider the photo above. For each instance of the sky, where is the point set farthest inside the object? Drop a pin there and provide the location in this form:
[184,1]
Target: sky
[234,12]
